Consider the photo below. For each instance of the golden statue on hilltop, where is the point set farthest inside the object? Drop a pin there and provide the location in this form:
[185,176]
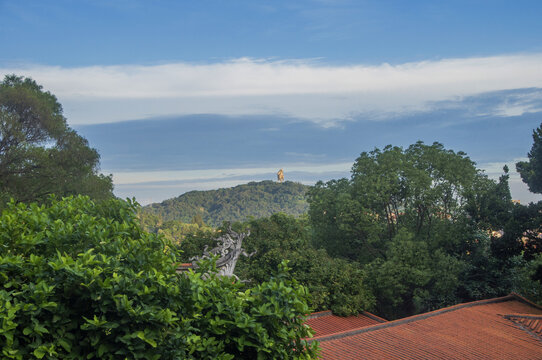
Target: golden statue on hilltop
[280,176]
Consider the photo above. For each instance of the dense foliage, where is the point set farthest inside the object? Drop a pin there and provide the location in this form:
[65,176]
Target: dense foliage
[39,153]
[255,199]
[419,220]
[80,279]
[423,190]
[334,284]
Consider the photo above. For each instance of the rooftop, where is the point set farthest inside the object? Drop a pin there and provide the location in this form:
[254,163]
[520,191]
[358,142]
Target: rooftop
[502,328]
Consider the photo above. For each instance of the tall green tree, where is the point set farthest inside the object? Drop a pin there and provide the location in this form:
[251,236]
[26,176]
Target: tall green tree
[525,226]
[419,219]
[424,189]
[531,171]
[39,153]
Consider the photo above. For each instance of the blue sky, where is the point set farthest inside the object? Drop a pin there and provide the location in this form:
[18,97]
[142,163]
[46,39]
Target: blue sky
[183,95]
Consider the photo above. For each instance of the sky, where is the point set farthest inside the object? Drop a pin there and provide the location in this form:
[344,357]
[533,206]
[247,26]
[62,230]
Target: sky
[193,95]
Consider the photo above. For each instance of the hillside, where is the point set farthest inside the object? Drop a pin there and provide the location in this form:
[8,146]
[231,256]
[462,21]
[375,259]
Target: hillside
[256,199]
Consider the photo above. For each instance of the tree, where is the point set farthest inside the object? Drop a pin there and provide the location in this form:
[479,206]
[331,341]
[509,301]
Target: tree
[342,224]
[413,279]
[418,220]
[490,203]
[424,189]
[39,153]
[79,279]
[522,233]
[198,220]
[531,171]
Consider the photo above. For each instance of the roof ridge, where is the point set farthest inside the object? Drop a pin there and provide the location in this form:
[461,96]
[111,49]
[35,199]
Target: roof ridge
[525,300]
[338,335]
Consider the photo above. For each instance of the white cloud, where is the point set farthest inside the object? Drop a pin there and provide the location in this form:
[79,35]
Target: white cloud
[303,89]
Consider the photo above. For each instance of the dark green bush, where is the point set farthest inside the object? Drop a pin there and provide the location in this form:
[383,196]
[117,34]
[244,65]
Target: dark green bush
[80,279]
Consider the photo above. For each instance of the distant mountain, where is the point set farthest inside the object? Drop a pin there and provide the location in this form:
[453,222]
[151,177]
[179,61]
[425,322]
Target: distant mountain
[256,199]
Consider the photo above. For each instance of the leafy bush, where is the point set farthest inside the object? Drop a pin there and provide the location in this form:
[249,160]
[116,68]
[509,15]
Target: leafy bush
[264,322]
[80,279]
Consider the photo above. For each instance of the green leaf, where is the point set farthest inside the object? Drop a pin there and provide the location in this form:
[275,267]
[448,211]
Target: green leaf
[39,352]
[141,335]
[66,345]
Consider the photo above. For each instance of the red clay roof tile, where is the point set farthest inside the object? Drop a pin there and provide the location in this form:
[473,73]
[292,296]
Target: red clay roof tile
[477,330]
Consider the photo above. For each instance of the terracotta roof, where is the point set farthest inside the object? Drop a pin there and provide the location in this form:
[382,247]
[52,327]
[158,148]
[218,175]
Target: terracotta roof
[325,323]
[486,329]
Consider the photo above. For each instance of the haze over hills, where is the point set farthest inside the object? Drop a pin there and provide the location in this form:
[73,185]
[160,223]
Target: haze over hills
[255,199]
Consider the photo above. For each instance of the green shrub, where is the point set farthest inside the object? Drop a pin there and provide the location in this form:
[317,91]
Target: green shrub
[263,322]
[80,279]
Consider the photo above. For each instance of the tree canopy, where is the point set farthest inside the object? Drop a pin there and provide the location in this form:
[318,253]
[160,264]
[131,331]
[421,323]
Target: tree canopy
[420,221]
[39,153]
[334,284]
[425,189]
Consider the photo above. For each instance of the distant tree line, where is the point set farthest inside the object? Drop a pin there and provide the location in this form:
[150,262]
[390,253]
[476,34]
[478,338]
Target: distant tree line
[255,199]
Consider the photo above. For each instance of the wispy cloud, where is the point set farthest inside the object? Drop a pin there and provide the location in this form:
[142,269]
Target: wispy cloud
[303,89]
[502,103]
[520,104]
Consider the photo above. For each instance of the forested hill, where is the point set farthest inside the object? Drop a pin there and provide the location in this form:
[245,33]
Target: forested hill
[256,199]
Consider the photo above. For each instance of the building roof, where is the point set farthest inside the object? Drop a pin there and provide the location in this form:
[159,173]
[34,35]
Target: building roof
[325,323]
[502,328]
